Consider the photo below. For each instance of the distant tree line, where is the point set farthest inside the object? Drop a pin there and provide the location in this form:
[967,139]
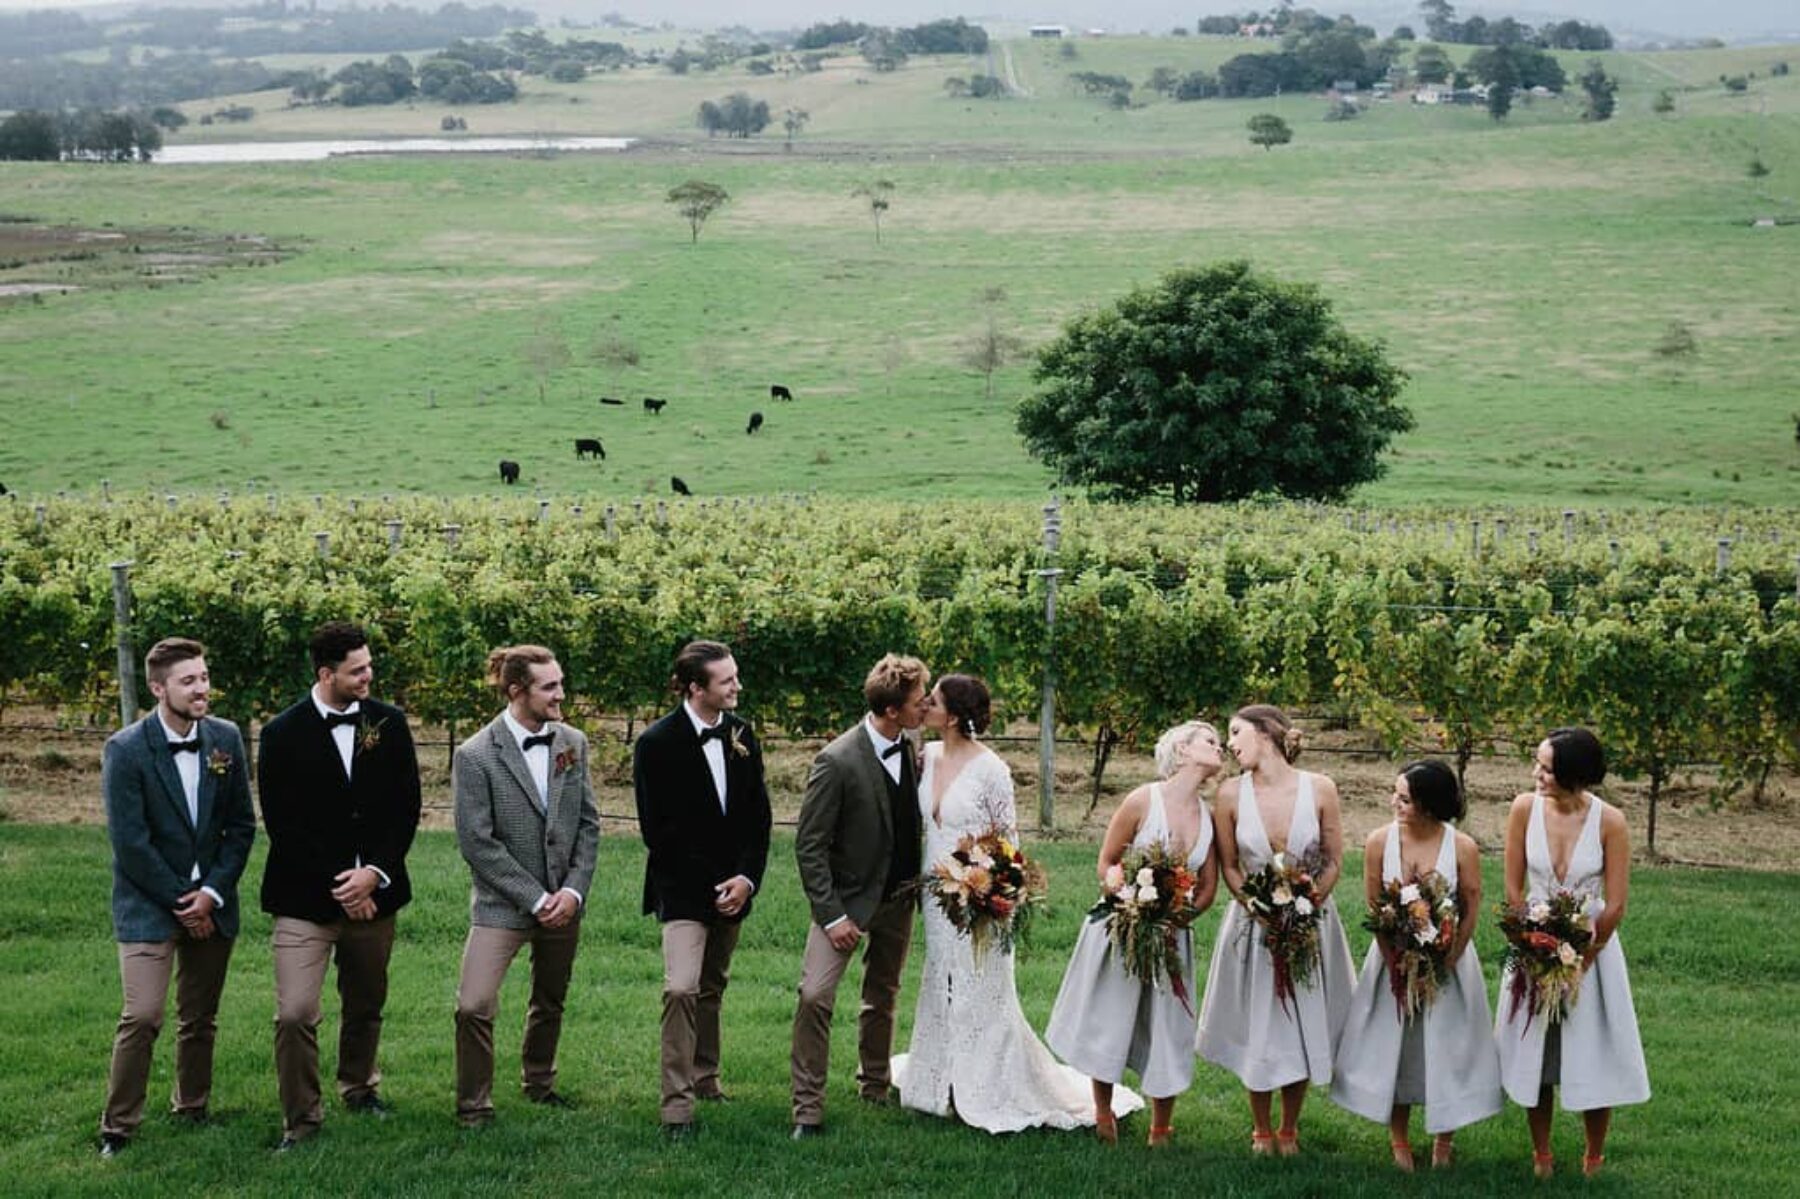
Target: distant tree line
[59,83]
[953,36]
[89,135]
[1316,52]
[1442,25]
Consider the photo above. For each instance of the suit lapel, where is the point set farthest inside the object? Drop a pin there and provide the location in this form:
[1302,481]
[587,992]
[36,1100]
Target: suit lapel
[325,734]
[209,782]
[508,752]
[878,779]
[163,763]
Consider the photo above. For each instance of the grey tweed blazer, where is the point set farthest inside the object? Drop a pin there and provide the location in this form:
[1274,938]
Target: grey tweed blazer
[516,851]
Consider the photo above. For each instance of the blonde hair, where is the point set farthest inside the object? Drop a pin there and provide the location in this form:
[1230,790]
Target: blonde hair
[1274,724]
[510,666]
[1173,739]
[891,682]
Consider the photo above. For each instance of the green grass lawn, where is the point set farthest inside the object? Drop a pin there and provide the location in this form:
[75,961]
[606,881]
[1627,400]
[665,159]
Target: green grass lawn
[1714,979]
[1523,274]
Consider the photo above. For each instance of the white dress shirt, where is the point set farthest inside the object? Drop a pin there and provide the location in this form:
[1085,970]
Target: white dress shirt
[187,765]
[344,737]
[714,750]
[890,762]
[537,761]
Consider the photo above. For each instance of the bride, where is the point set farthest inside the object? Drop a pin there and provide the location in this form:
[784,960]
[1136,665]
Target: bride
[973,1054]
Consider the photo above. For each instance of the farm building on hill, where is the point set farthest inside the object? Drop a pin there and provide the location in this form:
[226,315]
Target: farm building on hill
[1049,31]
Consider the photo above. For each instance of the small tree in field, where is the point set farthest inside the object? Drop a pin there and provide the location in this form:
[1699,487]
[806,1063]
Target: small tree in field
[1214,384]
[545,353]
[1602,91]
[1664,103]
[1268,131]
[991,347]
[696,200]
[876,192]
[793,121]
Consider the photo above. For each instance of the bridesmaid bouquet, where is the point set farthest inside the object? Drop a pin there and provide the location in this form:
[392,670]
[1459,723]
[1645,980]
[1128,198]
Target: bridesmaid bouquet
[987,890]
[1545,940]
[1285,901]
[1146,901]
[1415,924]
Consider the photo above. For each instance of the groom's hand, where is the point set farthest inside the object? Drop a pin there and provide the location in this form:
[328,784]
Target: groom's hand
[730,896]
[844,935]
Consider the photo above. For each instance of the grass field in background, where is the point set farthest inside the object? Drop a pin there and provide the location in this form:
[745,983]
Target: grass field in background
[1713,981]
[1523,274]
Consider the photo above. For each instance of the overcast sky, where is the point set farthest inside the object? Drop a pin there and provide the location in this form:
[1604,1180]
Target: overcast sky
[1687,18]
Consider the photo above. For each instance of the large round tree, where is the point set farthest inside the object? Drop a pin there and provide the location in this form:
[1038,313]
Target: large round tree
[1214,384]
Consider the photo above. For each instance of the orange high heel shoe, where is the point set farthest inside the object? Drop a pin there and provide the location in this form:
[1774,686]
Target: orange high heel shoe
[1591,1163]
[1443,1153]
[1161,1136]
[1106,1128]
[1403,1155]
[1287,1144]
[1262,1144]
[1543,1165]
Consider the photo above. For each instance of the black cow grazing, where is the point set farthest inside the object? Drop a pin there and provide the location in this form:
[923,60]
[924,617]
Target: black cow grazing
[3,486]
[677,486]
[610,401]
[779,392]
[755,422]
[509,471]
[590,447]
[654,407]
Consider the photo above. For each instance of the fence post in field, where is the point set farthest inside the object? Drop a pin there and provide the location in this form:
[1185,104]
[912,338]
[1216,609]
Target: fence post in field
[37,510]
[1475,538]
[450,533]
[1449,534]
[323,540]
[1531,541]
[1568,526]
[1047,712]
[543,511]
[106,490]
[1722,562]
[1612,546]
[1499,531]
[611,532]
[662,514]
[171,502]
[637,511]
[575,510]
[224,501]
[128,696]
[393,528]
[272,504]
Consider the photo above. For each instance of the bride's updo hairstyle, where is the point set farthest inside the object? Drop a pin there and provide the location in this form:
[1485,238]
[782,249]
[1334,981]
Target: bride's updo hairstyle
[1274,724]
[966,700]
[1170,743]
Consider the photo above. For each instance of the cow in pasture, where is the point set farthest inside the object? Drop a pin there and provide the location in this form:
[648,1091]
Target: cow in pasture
[654,406]
[755,422]
[779,391]
[3,490]
[590,447]
[611,402]
[509,471]
[677,486]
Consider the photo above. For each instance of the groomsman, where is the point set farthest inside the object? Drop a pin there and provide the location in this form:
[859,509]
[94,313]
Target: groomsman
[528,827]
[340,802]
[858,849]
[178,813]
[703,809]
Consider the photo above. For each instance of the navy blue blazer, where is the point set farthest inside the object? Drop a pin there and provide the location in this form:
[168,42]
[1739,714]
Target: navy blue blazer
[156,845]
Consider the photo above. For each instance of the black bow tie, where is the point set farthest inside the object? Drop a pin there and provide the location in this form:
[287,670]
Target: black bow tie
[893,749]
[333,719]
[534,740]
[717,732]
[185,747]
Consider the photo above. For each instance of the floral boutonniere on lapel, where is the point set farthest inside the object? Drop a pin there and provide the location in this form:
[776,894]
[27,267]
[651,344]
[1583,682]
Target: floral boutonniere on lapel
[218,762]
[368,736]
[565,761]
[736,741]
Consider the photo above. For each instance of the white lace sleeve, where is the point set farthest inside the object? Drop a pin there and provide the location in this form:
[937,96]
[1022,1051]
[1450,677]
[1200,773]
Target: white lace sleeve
[997,797]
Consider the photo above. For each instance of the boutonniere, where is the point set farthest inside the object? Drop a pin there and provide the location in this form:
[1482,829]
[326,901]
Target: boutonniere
[368,736]
[565,760]
[218,762]
[736,742]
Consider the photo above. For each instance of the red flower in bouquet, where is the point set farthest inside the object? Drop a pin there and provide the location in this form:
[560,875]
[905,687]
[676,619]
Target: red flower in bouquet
[1286,906]
[1415,922]
[1146,902]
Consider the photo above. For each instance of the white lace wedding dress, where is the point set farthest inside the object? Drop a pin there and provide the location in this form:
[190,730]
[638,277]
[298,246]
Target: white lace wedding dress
[973,1054]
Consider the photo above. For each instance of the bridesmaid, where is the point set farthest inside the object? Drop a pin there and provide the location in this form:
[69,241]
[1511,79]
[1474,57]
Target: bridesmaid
[1443,1057]
[1106,1021]
[1244,1027]
[1560,837]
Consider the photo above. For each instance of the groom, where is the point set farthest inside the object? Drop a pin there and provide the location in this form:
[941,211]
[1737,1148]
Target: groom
[704,811]
[858,848]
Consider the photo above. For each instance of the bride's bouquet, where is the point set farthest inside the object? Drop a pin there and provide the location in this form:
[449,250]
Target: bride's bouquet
[1545,941]
[987,890]
[1415,925]
[1146,901]
[1284,900]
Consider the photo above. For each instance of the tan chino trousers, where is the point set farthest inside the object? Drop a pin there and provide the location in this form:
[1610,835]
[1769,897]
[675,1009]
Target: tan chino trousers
[302,951]
[696,969]
[145,968]
[889,933]
[486,956]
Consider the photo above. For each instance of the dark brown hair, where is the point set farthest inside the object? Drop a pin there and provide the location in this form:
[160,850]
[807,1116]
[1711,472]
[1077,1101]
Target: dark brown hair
[693,665]
[510,666]
[966,699]
[1576,758]
[334,641]
[165,653]
[1434,789]
[1274,724]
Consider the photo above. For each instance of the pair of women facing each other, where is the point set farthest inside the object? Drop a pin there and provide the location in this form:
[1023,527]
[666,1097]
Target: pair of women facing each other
[1559,837]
